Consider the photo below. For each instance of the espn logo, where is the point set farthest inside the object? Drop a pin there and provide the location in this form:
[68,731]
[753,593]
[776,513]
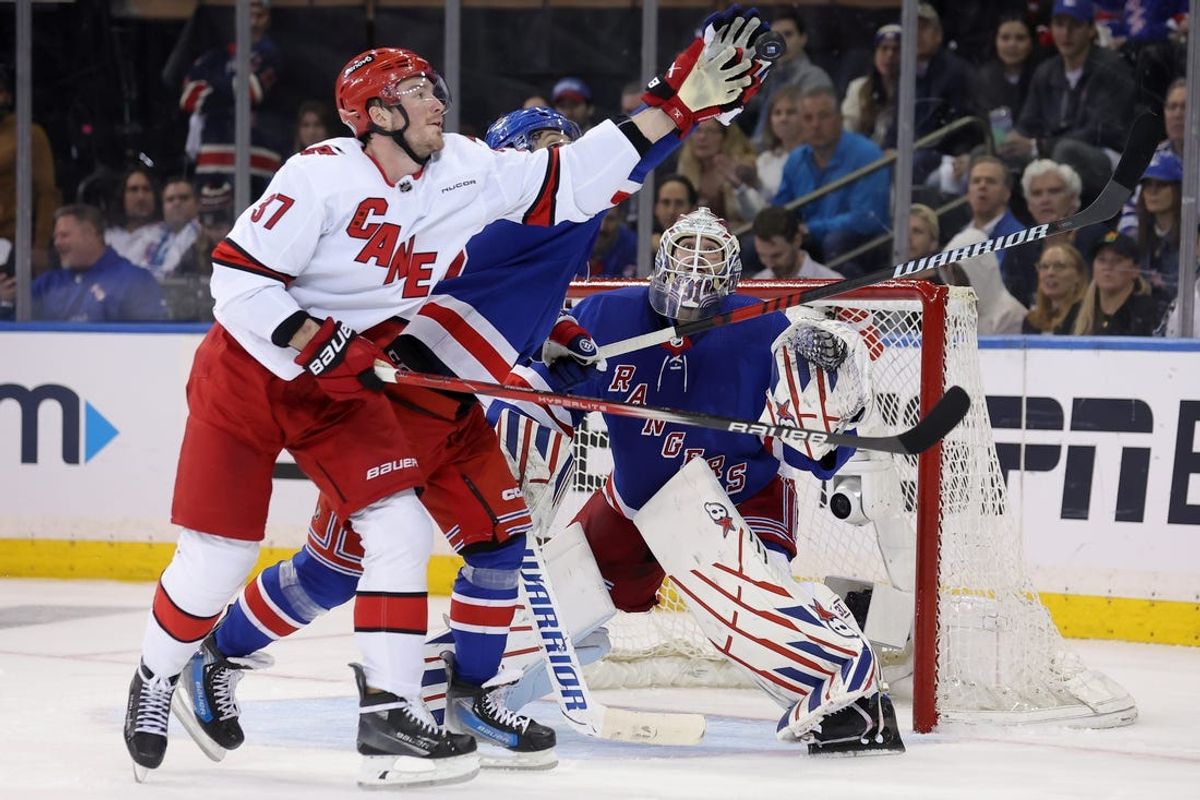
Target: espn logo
[391,466]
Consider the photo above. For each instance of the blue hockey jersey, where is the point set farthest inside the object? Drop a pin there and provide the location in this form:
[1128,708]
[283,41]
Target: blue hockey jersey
[498,308]
[724,371]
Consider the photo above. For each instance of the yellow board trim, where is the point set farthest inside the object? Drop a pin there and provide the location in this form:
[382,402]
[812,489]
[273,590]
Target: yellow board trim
[143,561]
[1127,619]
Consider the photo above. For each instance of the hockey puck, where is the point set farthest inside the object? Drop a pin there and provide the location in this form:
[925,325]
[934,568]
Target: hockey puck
[770,46]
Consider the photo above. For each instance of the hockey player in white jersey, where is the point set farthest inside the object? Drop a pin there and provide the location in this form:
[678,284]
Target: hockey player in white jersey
[711,510]
[350,234]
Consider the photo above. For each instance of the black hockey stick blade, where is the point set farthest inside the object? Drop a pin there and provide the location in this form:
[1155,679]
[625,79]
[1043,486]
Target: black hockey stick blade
[941,419]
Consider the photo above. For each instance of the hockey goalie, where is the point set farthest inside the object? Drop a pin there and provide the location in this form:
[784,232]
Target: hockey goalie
[710,510]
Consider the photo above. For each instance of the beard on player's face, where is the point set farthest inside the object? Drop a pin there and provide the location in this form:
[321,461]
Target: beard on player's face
[421,124]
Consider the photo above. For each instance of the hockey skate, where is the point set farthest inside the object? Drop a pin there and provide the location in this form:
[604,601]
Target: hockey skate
[146,715]
[865,727]
[507,740]
[207,706]
[402,746]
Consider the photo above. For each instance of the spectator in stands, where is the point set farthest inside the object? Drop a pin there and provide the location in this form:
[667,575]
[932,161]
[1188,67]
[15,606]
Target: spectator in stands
[135,227]
[674,196]
[1150,36]
[614,255]
[313,124]
[999,312]
[1001,85]
[177,231]
[1158,215]
[572,98]
[989,188]
[1118,301]
[631,97]
[1175,121]
[923,231]
[208,99]
[780,248]
[784,134]
[717,160]
[535,101]
[794,68]
[216,220]
[1051,193]
[1079,105]
[942,91]
[847,217]
[869,107]
[95,284]
[1062,281]
[8,296]
[45,192]
[1174,326]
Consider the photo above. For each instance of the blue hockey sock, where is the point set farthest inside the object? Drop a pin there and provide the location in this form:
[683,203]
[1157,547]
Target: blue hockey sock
[481,609]
[281,600]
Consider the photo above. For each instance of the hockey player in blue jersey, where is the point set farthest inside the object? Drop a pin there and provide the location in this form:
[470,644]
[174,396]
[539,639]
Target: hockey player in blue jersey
[812,373]
[501,306]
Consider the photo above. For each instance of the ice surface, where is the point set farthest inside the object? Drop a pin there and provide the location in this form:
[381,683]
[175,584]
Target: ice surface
[68,650]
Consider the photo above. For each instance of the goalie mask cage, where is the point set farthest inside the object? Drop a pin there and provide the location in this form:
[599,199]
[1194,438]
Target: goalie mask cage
[983,647]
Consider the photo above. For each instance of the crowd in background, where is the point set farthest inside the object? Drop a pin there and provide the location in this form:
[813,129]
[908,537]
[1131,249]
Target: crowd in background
[1054,91]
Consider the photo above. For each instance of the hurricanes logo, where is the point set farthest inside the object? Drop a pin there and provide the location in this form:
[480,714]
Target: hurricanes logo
[719,514]
[833,621]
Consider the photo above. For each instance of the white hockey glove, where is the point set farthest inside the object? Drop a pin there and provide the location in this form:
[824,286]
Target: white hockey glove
[820,380]
[712,75]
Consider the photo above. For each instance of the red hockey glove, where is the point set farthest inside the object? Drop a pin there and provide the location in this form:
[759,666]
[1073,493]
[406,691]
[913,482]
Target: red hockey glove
[712,75]
[342,361]
[570,340]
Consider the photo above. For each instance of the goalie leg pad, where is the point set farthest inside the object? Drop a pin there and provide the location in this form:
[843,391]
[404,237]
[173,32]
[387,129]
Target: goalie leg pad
[798,642]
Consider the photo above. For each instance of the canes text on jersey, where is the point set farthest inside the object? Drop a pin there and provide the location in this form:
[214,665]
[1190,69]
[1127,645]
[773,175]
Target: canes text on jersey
[384,247]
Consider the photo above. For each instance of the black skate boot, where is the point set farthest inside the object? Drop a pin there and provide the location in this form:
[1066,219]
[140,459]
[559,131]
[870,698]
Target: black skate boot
[401,744]
[507,740]
[207,706]
[146,715]
[865,727]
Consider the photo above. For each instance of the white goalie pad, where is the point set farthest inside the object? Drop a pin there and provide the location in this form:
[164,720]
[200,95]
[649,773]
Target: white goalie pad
[820,379]
[797,641]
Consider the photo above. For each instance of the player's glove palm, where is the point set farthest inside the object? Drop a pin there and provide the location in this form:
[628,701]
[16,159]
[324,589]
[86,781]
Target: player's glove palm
[712,75]
[342,361]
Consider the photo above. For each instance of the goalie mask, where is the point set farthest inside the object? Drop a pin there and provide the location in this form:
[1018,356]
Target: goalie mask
[698,263]
[519,128]
[385,75]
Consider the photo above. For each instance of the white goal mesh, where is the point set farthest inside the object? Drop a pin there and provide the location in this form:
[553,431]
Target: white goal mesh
[984,647]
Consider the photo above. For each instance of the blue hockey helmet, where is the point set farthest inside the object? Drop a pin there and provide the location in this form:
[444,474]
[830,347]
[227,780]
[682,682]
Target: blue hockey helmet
[516,128]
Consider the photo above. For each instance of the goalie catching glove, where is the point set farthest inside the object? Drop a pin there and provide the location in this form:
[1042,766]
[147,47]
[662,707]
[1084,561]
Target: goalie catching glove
[342,361]
[820,380]
[715,76]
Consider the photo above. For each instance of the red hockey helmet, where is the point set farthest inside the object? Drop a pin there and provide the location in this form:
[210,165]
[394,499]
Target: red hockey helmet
[377,74]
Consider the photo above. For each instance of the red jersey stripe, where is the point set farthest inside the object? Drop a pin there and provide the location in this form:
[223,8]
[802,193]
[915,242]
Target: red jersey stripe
[471,340]
[179,624]
[542,210]
[228,254]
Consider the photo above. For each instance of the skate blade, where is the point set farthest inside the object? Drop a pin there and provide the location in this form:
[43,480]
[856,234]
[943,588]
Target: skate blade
[181,707]
[856,749]
[491,758]
[394,772]
[139,772]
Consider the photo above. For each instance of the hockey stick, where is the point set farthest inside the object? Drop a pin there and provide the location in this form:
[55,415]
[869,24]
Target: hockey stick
[1139,149]
[930,430]
[562,665]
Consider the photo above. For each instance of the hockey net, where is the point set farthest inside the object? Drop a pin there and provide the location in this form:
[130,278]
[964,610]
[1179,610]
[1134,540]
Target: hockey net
[984,648]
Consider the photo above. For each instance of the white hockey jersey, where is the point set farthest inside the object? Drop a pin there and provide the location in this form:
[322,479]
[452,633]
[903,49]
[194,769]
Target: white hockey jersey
[331,236]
